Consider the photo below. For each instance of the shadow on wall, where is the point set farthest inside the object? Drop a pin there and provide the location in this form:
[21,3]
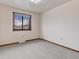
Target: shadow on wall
[58,3]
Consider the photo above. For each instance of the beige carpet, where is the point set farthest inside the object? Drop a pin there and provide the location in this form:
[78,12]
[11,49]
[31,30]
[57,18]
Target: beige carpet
[37,49]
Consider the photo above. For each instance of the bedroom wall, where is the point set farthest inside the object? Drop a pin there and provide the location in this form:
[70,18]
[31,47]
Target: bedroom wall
[61,25]
[7,35]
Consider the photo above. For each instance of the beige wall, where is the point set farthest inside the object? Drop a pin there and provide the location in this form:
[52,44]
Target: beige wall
[6,26]
[61,25]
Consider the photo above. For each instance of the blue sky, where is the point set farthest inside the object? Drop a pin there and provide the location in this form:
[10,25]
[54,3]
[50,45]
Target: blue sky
[19,17]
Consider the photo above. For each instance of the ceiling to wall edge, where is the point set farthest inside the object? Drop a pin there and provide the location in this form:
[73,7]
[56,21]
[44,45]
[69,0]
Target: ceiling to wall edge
[33,11]
[18,8]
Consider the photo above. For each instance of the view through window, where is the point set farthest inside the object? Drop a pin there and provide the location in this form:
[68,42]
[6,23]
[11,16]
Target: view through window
[21,21]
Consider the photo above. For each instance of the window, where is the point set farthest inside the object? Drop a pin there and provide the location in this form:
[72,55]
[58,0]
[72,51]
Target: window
[21,21]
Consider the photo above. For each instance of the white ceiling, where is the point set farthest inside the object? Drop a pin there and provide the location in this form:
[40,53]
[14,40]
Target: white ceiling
[42,6]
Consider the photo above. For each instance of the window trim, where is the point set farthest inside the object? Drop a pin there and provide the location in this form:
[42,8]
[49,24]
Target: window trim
[22,22]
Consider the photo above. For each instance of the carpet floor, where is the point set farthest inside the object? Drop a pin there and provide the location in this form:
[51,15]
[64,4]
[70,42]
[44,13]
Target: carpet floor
[37,49]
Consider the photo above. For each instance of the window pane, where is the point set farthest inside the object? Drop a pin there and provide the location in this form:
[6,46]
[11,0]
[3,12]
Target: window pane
[21,21]
[17,21]
[26,21]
